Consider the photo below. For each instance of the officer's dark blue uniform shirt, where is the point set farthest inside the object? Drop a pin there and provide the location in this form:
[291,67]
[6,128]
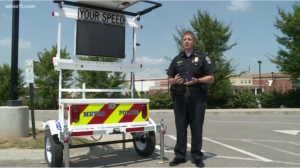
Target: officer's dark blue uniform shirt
[197,65]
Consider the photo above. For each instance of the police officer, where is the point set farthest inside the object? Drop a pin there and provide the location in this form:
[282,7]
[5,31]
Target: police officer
[189,73]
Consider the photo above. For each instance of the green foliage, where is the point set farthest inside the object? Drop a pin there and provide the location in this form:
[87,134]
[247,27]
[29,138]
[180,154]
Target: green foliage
[212,36]
[242,99]
[101,79]
[291,98]
[288,59]
[39,104]
[47,78]
[272,99]
[160,101]
[5,85]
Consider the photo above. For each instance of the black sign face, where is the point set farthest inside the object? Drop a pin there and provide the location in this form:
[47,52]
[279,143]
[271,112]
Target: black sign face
[97,39]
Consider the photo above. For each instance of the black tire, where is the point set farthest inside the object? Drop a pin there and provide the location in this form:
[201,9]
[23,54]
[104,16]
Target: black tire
[144,146]
[56,151]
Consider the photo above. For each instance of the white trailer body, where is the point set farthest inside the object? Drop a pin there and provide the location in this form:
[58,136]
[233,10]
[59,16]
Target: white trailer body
[89,117]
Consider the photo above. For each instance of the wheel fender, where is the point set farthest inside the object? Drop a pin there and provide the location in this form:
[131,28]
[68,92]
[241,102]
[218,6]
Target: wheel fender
[55,126]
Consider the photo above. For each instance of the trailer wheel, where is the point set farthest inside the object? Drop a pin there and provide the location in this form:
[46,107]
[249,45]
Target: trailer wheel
[144,144]
[53,150]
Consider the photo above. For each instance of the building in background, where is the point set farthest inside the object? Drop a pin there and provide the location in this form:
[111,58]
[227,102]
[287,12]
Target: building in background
[268,81]
[144,85]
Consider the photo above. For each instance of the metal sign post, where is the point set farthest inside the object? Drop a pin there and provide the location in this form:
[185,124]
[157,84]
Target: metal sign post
[30,81]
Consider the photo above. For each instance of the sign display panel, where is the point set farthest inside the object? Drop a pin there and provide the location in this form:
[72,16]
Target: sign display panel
[100,33]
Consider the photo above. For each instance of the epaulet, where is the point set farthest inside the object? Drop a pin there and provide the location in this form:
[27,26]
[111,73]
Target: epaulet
[200,53]
[180,54]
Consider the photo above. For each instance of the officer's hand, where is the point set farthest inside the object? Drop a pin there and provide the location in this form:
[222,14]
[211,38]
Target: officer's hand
[193,81]
[178,79]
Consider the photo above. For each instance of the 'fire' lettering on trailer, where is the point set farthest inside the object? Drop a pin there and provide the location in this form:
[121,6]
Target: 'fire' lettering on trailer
[128,112]
[94,114]
[100,16]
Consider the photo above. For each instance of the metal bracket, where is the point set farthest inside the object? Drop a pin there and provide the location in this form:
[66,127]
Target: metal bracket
[61,4]
[66,146]
[123,143]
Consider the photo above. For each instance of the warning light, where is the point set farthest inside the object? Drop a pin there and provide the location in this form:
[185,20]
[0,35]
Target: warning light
[66,140]
[141,65]
[51,59]
[75,114]
[141,26]
[52,13]
[144,111]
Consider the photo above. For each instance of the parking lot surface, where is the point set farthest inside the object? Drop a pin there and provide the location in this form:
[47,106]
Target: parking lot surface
[228,141]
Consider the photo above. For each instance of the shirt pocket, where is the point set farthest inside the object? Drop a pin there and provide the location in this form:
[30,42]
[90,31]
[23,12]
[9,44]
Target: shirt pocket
[196,68]
[180,68]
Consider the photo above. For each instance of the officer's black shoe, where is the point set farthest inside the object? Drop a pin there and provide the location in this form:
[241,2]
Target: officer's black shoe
[176,162]
[199,163]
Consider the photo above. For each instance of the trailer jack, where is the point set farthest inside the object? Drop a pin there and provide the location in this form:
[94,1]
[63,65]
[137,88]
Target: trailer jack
[162,130]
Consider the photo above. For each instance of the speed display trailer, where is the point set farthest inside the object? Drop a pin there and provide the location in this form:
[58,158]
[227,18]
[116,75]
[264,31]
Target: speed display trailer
[100,32]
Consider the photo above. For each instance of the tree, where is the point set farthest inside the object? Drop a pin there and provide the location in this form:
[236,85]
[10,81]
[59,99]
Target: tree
[47,78]
[100,79]
[212,36]
[5,85]
[288,61]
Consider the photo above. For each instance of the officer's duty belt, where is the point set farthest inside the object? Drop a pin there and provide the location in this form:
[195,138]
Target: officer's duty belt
[181,90]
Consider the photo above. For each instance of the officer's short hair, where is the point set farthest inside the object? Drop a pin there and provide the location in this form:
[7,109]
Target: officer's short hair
[188,32]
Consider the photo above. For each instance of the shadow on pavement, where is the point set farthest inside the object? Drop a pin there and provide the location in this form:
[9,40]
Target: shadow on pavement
[207,155]
[105,156]
[113,159]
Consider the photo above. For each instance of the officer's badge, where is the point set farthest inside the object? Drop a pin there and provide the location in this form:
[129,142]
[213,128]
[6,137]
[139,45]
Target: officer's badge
[208,60]
[196,59]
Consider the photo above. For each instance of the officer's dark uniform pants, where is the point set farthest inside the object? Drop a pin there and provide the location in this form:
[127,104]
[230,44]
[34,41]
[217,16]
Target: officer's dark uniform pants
[189,109]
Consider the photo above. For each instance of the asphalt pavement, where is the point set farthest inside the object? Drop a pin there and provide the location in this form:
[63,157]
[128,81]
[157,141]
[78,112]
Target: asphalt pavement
[235,140]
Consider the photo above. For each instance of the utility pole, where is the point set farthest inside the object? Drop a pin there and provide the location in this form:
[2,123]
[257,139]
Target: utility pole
[272,80]
[14,57]
[259,62]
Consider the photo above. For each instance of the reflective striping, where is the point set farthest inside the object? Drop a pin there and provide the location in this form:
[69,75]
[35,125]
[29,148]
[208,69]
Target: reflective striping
[134,129]
[104,132]
[85,133]
[84,120]
[115,117]
[130,118]
[88,133]
[100,120]
[101,114]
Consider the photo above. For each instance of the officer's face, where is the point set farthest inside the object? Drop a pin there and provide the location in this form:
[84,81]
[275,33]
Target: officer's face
[188,41]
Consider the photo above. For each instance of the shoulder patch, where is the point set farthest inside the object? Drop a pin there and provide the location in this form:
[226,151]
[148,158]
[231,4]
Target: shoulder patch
[208,60]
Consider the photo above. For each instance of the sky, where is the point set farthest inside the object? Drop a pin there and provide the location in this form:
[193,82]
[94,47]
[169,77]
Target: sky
[252,23]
